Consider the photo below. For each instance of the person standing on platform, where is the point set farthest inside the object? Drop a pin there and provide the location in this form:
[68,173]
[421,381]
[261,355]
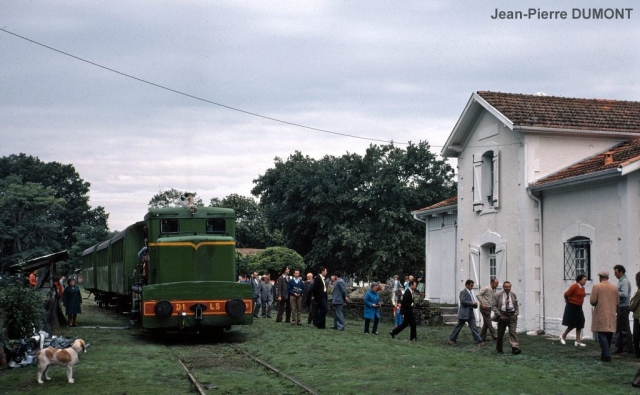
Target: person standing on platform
[72,299]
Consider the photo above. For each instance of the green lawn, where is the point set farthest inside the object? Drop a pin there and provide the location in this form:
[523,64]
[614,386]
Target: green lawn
[133,362]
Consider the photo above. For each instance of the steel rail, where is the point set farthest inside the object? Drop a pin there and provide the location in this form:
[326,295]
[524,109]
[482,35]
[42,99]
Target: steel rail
[275,370]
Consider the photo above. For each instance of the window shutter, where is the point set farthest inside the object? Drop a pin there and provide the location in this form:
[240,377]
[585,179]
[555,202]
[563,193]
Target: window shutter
[477,183]
[496,178]
[474,258]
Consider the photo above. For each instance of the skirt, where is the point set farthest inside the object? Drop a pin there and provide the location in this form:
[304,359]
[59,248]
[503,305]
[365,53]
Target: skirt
[573,316]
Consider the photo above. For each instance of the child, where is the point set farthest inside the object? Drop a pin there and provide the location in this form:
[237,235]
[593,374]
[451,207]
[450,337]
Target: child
[397,316]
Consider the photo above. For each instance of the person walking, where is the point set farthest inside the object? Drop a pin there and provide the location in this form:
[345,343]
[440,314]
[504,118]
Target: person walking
[623,330]
[466,315]
[505,307]
[573,315]
[407,312]
[485,297]
[372,307]
[338,301]
[72,299]
[604,299]
[634,307]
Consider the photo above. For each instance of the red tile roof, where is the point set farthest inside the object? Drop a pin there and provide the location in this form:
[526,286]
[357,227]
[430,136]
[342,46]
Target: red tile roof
[566,113]
[623,154]
[452,201]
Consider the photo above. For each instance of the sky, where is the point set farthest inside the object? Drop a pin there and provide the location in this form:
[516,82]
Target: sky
[168,97]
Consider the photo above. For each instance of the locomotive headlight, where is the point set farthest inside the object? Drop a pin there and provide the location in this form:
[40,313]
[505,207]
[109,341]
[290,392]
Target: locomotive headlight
[193,209]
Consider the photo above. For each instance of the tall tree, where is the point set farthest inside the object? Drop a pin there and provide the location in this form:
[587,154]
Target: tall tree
[41,181]
[353,212]
[251,225]
[172,198]
[30,219]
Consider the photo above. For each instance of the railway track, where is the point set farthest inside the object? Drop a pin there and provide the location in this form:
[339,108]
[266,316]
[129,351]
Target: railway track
[202,388]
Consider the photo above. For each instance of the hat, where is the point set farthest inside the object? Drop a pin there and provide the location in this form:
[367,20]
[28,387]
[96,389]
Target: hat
[603,273]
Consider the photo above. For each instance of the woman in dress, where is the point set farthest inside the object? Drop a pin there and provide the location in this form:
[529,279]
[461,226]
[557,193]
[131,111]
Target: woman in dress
[72,299]
[573,317]
[372,308]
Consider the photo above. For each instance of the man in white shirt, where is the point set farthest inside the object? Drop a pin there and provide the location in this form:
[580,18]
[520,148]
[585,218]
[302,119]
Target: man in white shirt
[468,302]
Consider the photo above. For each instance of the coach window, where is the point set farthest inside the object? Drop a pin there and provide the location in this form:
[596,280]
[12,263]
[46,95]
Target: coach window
[170,226]
[216,225]
[577,258]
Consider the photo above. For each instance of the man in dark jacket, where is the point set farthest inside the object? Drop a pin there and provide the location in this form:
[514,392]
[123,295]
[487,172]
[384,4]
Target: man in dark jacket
[308,297]
[320,299]
[282,295]
[406,309]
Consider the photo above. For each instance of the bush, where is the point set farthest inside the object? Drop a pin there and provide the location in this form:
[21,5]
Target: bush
[273,259]
[22,310]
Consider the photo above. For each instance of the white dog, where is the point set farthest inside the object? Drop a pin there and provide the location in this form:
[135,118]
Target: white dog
[65,357]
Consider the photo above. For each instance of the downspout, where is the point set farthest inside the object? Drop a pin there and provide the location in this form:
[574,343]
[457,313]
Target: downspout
[539,201]
[426,243]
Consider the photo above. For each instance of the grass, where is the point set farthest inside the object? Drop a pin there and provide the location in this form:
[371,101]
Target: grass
[131,361]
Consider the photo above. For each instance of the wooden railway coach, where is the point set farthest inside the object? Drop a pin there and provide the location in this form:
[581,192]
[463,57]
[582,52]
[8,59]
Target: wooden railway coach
[174,270]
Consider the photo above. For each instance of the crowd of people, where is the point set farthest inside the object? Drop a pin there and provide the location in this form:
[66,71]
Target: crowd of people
[295,295]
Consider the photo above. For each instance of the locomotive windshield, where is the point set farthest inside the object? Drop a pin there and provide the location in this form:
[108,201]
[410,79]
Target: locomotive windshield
[216,225]
[170,226]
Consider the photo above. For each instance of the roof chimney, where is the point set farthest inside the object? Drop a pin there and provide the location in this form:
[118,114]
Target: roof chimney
[608,158]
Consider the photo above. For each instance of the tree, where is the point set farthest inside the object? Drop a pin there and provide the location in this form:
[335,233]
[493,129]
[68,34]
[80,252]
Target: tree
[273,259]
[42,181]
[30,219]
[88,234]
[352,212]
[251,225]
[172,198]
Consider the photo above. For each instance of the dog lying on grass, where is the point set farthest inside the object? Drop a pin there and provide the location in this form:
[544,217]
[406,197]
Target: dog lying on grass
[65,357]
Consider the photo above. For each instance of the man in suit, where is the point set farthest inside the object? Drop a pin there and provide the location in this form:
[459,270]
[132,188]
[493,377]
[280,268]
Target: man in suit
[308,297]
[282,294]
[257,300]
[505,307]
[605,299]
[468,302]
[339,299]
[406,309]
[320,299]
[485,297]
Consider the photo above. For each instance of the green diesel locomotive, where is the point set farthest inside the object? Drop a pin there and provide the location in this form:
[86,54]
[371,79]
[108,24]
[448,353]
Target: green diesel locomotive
[174,270]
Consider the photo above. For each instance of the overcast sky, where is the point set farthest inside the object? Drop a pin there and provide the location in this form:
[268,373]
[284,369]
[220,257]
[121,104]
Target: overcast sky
[400,71]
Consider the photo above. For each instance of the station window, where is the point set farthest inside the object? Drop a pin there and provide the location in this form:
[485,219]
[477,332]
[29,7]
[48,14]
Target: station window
[170,226]
[216,225]
[577,258]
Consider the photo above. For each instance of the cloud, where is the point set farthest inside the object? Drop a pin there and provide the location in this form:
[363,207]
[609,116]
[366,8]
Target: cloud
[388,71]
